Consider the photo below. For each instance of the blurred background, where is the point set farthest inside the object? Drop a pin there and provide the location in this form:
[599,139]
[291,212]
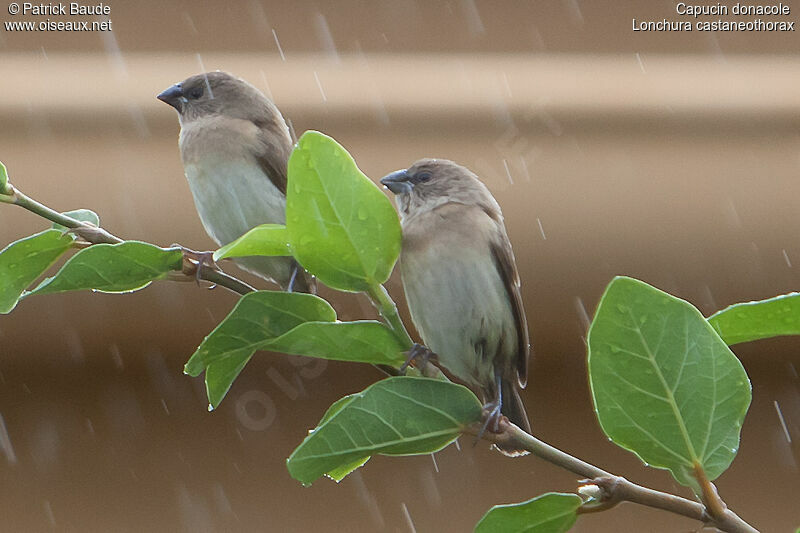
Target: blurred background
[672,157]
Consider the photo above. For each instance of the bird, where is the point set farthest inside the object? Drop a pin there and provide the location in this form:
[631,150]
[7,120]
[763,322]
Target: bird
[235,148]
[461,282]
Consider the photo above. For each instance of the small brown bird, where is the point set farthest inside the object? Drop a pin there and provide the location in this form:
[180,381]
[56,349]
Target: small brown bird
[235,148]
[461,281]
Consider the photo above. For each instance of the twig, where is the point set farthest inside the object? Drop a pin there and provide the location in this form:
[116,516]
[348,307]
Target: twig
[96,235]
[614,489]
[388,310]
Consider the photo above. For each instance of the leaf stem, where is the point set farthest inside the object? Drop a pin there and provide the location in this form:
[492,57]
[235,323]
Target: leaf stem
[96,235]
[388,310]
[614,488]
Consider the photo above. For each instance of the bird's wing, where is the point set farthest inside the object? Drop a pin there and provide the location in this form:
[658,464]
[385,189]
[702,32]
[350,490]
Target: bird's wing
[273,156]
[504,259]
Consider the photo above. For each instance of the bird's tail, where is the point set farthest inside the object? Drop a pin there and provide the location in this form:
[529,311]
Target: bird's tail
[513,409]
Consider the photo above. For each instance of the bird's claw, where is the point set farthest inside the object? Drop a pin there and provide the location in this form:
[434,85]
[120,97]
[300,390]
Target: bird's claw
[193,261]
[492,417]
[420,355]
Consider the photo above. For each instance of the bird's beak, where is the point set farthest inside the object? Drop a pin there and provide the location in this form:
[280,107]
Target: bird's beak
[398,182]
[173,96]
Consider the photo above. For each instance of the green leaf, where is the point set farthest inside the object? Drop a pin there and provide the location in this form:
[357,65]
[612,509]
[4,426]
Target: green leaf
[364,341]
[3,179]
[267,239]
[342,228]
[220,375]
[750,321]
[338,474]
[257,319]
[123,267]
[554,512]
[665,386]
[396,416]
[84,215]
[23,261]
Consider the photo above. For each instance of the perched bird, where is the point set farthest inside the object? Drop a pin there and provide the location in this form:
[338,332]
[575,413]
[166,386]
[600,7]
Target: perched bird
[461,281]
[235,148]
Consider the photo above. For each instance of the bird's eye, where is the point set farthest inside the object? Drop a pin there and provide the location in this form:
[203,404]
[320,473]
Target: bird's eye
[196,92]
[423,176]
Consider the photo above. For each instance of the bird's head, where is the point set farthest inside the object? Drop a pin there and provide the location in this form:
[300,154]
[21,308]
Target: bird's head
[429,183]
[216,92]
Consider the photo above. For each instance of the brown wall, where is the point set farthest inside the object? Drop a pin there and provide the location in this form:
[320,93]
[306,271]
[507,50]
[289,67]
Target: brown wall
[678,166]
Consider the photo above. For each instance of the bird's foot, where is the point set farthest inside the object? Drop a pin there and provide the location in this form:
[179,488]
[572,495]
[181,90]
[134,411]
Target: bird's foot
[420,355]
[194,261]
[491,418]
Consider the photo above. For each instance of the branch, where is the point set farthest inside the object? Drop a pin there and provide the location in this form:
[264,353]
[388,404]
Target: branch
[613,489]
[193,270]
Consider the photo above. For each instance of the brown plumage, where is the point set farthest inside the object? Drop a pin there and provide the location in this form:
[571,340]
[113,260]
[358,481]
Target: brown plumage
[235,148]
[461,280]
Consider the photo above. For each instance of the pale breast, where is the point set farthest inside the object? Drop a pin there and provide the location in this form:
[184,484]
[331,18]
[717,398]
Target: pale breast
[231,192]
[456,296]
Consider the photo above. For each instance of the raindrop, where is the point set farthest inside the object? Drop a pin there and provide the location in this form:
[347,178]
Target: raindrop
[75,346]
[114,54]
[506,85]
[266,85]
[324,36]
[48,511]
[641,65]
[783,422]
[278,44]
[190,22]
[431,489]
[435,464]
[733,213]
[786,258]
[508,173]
[524,166]
[474,22]
[582,314]
[408,518]
[116,356]
[575,12]
[368,499]
[541,229]
[259,17]
[203,70]
[319,86]
[5,443]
